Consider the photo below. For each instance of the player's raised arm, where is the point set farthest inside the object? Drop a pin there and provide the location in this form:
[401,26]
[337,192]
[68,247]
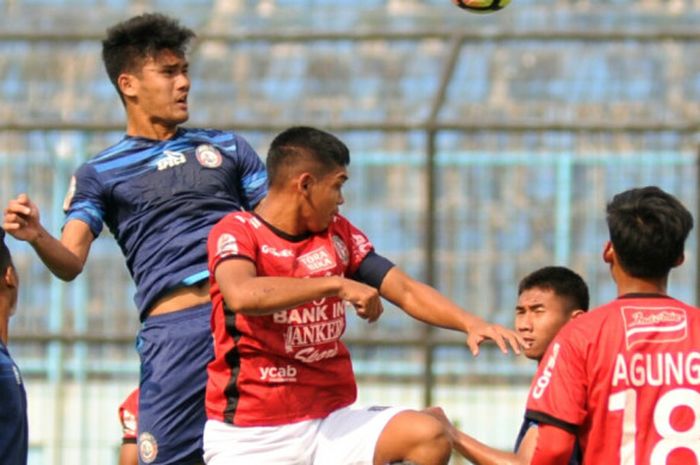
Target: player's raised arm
[66,257]
[426,304]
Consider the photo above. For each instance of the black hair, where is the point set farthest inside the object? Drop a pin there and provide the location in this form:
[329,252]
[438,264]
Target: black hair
[322,150]
[130,42]
[562,281]
[648,228]
[5,257]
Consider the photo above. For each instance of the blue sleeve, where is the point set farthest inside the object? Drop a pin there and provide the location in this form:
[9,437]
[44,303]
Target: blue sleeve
[84,200]
[253,175]
[373,269]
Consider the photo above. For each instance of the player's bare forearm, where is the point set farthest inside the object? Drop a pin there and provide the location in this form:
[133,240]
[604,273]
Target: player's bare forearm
[57,257]
[428,305]
[480,454]
[424,303]
[245,292]
[64,258]
[475,451]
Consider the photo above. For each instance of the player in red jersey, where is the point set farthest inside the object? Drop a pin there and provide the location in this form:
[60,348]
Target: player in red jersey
[281,383]
[625,378]
[128,417]
[548,298]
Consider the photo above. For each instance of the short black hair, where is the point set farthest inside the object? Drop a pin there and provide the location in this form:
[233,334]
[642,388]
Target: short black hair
[562,281]
[5,256]
[130,42]
[324,151]
[648,228]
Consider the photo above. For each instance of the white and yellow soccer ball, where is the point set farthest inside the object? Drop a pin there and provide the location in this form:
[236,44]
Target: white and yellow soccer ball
[481,6]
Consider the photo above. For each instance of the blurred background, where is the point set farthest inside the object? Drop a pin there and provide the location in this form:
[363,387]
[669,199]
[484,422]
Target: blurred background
[483,147]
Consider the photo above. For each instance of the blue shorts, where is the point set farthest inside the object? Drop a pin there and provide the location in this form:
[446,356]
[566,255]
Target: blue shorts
[175,349]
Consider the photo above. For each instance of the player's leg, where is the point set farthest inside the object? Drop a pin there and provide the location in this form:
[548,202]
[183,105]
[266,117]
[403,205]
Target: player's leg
[415,437]
[175,349]
[379,435]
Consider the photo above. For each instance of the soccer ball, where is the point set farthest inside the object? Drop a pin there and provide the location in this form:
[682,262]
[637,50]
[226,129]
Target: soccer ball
[481,6]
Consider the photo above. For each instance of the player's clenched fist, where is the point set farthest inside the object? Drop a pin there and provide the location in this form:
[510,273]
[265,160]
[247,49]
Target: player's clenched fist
[364,298]
[22,219]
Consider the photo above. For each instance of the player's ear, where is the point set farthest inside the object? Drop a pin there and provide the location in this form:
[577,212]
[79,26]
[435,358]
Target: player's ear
[304,182]
[680,260]
[128,84]
[608,252]
[9,278]
[576,313]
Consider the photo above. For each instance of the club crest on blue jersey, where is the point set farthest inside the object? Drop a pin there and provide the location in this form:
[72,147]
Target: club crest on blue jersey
[148,447]
[208,156]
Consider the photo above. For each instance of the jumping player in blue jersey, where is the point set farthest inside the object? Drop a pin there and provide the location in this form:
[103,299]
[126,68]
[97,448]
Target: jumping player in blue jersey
[13,399]
[159,190]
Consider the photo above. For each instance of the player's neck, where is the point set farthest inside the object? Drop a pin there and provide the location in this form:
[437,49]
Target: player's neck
[630,285]
[140,126]
[279,212]
[4,325]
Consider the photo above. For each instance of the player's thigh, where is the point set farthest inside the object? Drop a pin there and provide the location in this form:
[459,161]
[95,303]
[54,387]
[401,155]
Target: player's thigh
[406,433]
[348,436]
[226,444]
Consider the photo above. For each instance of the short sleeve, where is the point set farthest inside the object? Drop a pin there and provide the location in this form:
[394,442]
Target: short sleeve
[358,244]
[253,176]
[128,417]
[558,392]
[84,200]
[232,237]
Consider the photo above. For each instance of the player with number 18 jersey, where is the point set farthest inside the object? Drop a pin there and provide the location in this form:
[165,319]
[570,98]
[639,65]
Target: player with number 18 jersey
[625,379]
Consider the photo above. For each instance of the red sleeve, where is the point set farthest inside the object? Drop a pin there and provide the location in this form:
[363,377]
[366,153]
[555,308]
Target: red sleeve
[128,417]
[554,446]
[232,237]
[359,245]
[559,389]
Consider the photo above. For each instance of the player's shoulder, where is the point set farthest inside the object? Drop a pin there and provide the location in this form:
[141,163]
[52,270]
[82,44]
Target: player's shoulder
[341,222]
[239,218]
[216,137]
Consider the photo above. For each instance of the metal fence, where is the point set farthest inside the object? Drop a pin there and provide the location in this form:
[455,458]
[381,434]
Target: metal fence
[482,148]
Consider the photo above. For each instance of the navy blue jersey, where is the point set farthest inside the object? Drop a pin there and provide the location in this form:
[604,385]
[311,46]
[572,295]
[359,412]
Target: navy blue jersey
[13,412]
[576,457]
[160,198]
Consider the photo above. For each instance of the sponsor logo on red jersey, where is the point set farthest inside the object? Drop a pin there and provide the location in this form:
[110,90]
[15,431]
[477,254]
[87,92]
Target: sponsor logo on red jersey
[544,379]
[317,260]
[283,374]
[654,324]
[226,245]
[341,249]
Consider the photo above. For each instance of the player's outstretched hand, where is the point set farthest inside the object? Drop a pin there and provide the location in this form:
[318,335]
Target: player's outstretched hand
[22,219]
[503,337]
[364,298]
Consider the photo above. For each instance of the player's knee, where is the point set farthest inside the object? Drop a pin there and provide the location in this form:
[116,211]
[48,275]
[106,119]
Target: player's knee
[418,436]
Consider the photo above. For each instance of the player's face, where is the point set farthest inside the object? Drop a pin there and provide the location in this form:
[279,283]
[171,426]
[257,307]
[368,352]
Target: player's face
[325,196]
[162,87]
[539,315]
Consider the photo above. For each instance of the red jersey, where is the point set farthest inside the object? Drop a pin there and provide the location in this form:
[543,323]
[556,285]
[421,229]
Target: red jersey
[289,366]
[625,379]
[128,417]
